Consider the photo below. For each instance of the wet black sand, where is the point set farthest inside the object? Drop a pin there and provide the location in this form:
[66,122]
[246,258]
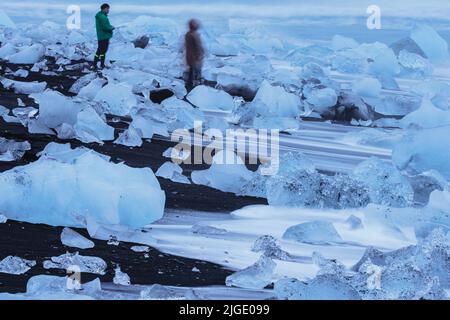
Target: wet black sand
[40,242]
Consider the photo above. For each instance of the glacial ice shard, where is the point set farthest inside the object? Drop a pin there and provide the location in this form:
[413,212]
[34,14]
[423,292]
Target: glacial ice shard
[256,276]
[71,238]
[16,265]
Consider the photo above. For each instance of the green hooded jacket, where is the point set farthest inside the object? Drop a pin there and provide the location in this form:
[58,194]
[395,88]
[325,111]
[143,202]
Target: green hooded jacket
[104,28]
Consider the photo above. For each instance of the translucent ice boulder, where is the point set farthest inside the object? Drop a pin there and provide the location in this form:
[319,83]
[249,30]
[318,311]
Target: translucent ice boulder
[323,287]
[121,278]
[268,246]
[427,116]
[24,87]
[28,55]
[385,183]
[86,264]
[256,276]
[93,188]
[315,232]
[71,238]
[55,109]
[277,102]
[118,98]
[131,137]
[173,172]
[423,150]
[206,98]
[11,150]
[90,127]
[16,265]
[227,173]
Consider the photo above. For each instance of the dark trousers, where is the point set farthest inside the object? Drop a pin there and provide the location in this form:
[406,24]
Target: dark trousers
[194,77]
[100,55]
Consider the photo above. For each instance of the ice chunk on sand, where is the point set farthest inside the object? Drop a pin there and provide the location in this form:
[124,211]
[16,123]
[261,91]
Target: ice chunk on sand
[269,247]
[386,184]
[414,65]
[323,287]
[207,98]
[44,287]
[131,137]
[256,276]
[94,188]
[11,150]
[369,87]
[91,128]
[71,238]
[427,116]
[3,219]
[55,109]
[121,278]
[173,172]
[16,265]
[275,101]
[432,44]
[119,98]
[321,98]
[315,232]
[24,87]
[90,91]
[227,173]
[140,248]
[424,150]
[7,50]
[86,264]
[28,55]
[176,154]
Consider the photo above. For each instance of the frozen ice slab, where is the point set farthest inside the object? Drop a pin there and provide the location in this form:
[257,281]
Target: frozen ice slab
[423,150]
[90,127]
[275,100]
[207,230]
[7,50]
[321,99]
[207,98]
[3,219]
[28,55]
[314,232]
[131,137]
[427,116]
[93,188]
[324,287]
[173,172]
[16,265]
[121,278]
[159,292]
[256,276]
[385,183]
[414,65]
[86,264]
[44,287]
[140,248]
[71,238]
[11,150]
[119,98]
[432,44]
[91,90]
[55,109]
[24,87]
[227,173]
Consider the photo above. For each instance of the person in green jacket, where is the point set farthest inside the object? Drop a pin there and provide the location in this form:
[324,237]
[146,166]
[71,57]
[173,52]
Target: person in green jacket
[104,34]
